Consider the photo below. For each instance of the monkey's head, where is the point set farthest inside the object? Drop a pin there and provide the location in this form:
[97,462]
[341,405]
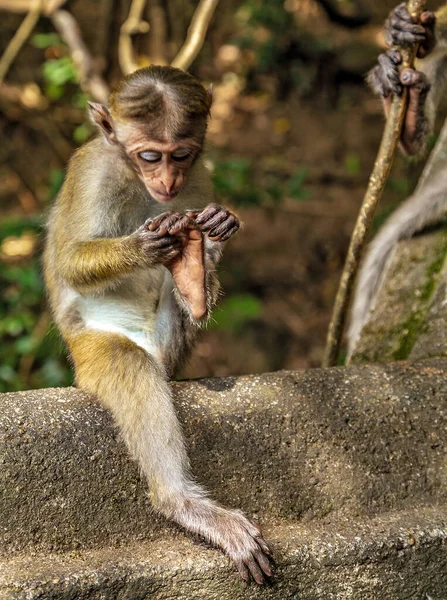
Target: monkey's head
[158,117]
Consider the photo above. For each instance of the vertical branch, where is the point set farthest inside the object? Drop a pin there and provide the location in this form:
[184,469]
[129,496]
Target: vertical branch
[157,41]
[196,34]
[20,37]
[131,26]
[377,181]
[90,81]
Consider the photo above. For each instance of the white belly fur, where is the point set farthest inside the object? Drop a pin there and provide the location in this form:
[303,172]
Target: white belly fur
[132,316]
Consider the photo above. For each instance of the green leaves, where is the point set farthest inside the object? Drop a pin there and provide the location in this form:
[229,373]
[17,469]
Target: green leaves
[295,185]
[28,358]
[57,73]
[234,312]
[236,180]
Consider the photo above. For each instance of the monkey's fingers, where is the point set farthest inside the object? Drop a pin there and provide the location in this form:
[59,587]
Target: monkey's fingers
[207,213]
[412,78]
[264,563]
[401,30]
[257,565]
[264,546]
[193,213]
[225,230]
[156,244]
[220,218]
[387,75]
[428,20]
[156,223]
[418,89]
[255,571]
[186,224]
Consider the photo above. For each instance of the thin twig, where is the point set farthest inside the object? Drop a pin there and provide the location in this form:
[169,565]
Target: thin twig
[23,6]
[131,26]
[157,39]
[20,37]
[89,80]
[377,181]
[196,34]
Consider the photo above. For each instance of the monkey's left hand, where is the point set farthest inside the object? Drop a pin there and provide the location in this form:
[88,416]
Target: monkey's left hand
[217,221]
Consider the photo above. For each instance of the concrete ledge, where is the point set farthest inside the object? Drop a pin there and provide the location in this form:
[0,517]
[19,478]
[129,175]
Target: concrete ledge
[296,445]
[346,469]
[392,557]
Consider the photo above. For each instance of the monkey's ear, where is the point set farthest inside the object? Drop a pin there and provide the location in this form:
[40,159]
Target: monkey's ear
[101,116]
[209,91]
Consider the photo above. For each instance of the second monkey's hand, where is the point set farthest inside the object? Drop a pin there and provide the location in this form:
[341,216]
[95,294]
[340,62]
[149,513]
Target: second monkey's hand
[216,221]
[188,267]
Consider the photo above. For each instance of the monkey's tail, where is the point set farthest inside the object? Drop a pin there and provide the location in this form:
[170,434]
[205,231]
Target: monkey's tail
[425,208]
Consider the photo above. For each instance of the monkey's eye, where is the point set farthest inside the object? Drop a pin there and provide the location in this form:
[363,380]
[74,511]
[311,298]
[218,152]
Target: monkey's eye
[150,157]
[181,154]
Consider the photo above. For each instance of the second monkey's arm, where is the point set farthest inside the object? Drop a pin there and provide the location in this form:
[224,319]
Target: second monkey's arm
[426,83]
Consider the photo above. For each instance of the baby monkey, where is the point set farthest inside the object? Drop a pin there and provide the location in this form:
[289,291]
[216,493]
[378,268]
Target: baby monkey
[133,241]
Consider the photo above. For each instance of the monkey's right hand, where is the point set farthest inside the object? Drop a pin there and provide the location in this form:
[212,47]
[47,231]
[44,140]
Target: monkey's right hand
[401,30]
[158,249]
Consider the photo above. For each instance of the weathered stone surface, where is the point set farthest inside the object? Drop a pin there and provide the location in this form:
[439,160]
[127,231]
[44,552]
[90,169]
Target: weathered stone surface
[409,317]
[432,338]
[346,469]
[392,557]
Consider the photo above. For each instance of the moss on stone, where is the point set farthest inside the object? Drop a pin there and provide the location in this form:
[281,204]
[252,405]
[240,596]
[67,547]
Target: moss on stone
[413,325]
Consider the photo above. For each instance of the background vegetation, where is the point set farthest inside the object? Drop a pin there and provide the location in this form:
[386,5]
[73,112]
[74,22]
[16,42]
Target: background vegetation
[292,139]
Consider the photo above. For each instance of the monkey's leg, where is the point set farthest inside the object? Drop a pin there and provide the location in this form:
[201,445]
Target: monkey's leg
[134,387]
[188,269]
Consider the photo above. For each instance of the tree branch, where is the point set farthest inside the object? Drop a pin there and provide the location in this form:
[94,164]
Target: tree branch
[89,80]
[157,39]
[377,181]
[196,34]
[22,6]
[20,37]
[131,26]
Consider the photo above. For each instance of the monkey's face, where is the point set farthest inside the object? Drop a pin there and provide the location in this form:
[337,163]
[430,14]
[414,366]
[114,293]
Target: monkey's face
[164,167]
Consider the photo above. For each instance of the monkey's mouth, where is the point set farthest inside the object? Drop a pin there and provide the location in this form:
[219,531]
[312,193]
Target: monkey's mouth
[163,196]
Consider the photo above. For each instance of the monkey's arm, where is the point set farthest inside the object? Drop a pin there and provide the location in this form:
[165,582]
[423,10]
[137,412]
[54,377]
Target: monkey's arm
[434,67]
[426,84]
[97,263]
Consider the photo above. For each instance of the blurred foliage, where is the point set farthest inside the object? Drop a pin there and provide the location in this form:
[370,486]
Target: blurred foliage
[30,352]
[352,164]
[234,312]
[236,181]
[61,78]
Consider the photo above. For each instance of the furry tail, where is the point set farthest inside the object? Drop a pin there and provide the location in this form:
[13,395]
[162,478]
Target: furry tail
[425,208]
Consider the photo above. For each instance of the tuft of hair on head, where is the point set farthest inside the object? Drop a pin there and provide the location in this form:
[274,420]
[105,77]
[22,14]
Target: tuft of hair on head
[168,99]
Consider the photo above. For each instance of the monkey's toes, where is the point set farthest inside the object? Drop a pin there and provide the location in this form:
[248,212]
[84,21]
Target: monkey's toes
[255,564]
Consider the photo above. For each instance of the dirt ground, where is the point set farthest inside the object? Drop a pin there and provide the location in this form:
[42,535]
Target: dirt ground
[290,256]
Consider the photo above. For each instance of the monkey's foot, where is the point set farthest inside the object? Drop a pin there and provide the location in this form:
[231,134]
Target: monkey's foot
[236,535]
[188,268]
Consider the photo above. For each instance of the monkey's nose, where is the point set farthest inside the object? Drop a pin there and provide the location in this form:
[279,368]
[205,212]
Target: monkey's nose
[168,184]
